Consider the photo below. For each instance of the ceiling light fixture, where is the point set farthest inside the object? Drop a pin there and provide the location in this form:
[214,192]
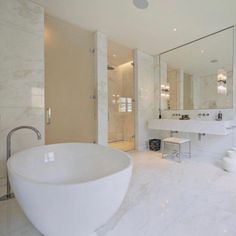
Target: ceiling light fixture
[202,51]
[174,29]
[141,4]
[165,90]
[222,82]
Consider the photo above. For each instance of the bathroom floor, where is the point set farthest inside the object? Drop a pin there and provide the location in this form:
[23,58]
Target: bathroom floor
[166,198]
[123,145]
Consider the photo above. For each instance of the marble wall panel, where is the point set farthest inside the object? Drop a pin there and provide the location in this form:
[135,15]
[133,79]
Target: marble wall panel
[21,74]
[144,89]
[102,87]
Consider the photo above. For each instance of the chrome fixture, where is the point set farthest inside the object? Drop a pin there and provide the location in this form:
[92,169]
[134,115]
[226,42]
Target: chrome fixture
[185,117]
[49,116]
[172,132]
[110,67]
[200,136]
[175,114]
[141,4]
[10,195]
[203,114]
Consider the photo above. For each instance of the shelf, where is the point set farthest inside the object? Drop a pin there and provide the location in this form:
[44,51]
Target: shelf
[193,126]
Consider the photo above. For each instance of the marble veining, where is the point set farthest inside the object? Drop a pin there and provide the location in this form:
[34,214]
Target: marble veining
[22,14]
[165,198]
[102,87]
[144,83]
[21,74]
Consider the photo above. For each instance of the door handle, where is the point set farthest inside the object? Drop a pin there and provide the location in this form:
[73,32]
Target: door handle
[49,116]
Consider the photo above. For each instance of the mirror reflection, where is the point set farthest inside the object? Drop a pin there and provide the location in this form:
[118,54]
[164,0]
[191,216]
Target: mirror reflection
[198,75]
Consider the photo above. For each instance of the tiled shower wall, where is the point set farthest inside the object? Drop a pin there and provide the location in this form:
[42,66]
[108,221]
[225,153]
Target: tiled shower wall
[120,84]
[116,119]
[21,74]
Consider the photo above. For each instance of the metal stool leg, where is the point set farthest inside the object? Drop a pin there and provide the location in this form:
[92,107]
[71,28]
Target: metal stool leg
[163,149]
[190,152]
[179,152]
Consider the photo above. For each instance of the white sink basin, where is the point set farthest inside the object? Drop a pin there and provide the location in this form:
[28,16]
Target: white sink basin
[193,126]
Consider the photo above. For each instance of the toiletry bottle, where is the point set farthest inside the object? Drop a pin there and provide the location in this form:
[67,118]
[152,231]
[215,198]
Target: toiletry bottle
[219,116]
[159,113]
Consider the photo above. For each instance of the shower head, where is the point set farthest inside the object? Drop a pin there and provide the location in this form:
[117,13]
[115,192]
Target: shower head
[110,67]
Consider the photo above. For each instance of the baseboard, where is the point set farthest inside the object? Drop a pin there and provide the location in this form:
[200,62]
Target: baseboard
[142,148]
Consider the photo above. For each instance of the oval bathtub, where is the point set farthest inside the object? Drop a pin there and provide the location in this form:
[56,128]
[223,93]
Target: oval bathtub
[69,189]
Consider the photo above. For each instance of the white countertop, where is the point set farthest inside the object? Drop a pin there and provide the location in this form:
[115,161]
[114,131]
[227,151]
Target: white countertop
[223,127]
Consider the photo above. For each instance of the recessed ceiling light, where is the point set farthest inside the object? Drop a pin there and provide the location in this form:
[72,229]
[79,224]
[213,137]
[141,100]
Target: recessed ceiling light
[114,55]
[202,51]
[174,29]
[141,4]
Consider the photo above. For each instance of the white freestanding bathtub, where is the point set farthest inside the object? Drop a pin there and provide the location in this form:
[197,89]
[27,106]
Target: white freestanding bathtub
[69,189]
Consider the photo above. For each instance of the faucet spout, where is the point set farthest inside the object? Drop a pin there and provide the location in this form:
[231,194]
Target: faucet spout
[39,136]
[10,195]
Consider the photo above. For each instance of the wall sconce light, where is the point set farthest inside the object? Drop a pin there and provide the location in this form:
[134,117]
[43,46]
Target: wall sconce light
[222,82]
[165,90]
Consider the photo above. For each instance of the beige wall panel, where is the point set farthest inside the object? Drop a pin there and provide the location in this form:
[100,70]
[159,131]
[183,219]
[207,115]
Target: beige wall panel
[69,85]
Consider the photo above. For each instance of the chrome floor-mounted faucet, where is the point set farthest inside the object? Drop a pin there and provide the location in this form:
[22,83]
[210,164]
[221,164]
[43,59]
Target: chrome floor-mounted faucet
[10,195]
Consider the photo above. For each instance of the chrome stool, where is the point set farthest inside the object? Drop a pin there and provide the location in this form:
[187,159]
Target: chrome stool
[177,141]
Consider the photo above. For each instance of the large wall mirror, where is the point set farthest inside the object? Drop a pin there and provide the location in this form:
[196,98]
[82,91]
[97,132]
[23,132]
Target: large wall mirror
[198,75]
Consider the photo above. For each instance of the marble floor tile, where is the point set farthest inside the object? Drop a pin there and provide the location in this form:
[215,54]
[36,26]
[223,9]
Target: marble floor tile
[11,217]
[166,198]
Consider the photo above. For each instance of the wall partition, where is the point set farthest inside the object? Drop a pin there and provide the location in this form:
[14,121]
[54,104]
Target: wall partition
[21,75]
[70,83]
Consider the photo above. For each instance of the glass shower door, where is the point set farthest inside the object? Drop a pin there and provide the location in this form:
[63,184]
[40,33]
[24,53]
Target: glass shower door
[121,107]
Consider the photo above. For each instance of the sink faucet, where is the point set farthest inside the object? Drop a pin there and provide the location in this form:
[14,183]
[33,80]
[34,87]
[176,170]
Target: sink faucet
[10,195]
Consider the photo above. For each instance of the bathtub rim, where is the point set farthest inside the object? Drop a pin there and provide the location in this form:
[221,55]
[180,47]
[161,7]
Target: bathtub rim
[11,169]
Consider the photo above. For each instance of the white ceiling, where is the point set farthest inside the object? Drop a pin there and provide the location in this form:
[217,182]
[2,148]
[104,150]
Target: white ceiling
[118,54]
[150,30]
